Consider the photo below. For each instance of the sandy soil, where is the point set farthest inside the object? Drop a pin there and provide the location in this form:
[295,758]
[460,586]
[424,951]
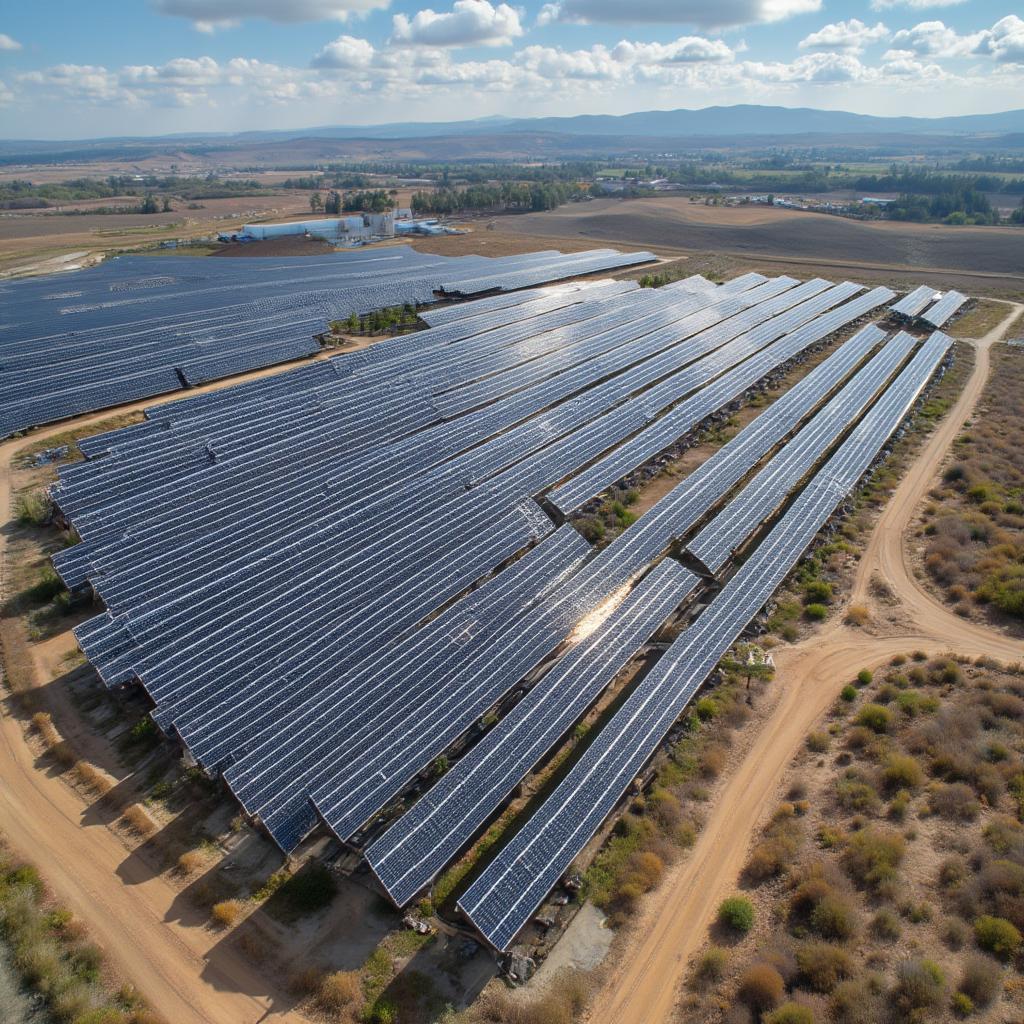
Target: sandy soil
[188,972]
[644,986]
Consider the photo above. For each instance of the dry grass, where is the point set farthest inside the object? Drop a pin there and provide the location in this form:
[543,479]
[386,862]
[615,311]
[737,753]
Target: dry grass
[92,778]
[190,862]
[227,913]
[891,886]
[136,819]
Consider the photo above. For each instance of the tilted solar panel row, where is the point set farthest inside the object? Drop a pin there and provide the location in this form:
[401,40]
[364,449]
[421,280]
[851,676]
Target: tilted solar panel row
[664,433]
[762,496]
[913,302]
[503,899]
[939,314]
[418,846]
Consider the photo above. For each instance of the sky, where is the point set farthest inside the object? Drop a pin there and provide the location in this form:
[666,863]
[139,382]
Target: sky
[152,67]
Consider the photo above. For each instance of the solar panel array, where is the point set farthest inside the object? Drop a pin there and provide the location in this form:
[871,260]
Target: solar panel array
[135,327]
[329,578]
[915,301]
[507,893]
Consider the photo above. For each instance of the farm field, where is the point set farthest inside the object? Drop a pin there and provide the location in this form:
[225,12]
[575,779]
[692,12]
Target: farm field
[757,233]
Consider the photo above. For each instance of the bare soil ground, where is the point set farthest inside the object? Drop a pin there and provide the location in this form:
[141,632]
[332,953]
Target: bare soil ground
[644,986]
[791,237]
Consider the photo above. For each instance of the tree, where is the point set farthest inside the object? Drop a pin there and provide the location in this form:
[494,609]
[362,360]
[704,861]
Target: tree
[149,204]
[332,204]
[167,204]
[316,202]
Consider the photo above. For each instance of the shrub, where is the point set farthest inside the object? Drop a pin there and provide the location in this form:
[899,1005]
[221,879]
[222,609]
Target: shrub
[190,862]
[955,801]
[834,918]
[737,914]
[227,913]
[816,612]
[848,692]
[875,717]
[646,869]
[963,1005]
[137,818]
[338,991]
[886,925]
[952,872]
[982,980]
[710,966]
[864,677]
[790,1013]
[32,508]
[901,771]
[857,615]
[920,985]
[768,859]
[818,742]
[955,933]
[818,592]
[761,987]
[854,1002]
[873,855]
[822,966]
[997,935]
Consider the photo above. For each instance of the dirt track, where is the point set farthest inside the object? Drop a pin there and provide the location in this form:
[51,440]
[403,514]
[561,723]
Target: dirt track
[810,675]
[187,973]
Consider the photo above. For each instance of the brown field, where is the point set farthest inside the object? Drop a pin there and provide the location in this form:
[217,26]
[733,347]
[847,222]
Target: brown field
[984,256]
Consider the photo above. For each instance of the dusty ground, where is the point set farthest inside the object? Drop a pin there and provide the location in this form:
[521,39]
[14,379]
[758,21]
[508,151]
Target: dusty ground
[644,985]
[674,224]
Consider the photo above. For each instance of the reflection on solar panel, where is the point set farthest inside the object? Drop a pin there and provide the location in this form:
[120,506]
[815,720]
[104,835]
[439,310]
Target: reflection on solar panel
[135,327]
[913,302]
[507,893]
[328,578]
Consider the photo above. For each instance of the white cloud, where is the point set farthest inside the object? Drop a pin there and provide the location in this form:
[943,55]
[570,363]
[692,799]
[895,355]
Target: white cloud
[469,23]
[345,52]
[702,13]
[209,15]
[1004,42]
[916,5]
[852,36]
[685,50]
[7,43]
[934,39]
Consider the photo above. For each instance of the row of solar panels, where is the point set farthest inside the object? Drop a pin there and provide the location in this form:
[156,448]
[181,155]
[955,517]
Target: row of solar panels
[131,334]
[281,633]
[928,305]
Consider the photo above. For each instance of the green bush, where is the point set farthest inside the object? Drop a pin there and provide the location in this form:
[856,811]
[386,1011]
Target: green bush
[848,693]
[901,771]
[963,1005]
[997,935]
[790,1013]
[711,965]
[874,717]
[864,676]
[737,914]
[816,612]
[818,592]
[886,925]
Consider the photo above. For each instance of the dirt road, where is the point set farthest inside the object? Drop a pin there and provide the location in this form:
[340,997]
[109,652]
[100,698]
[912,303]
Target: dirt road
[187,973]
[810,674]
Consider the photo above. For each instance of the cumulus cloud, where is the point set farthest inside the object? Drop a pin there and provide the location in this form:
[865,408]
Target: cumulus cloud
[851,36]
[345,52]
[685,50]
[468,23]
[934,39]
[1004,42]
[209,15]
[7,43]
[702,13]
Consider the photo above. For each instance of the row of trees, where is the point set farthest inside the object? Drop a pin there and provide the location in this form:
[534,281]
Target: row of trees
[961,206]
[496,198]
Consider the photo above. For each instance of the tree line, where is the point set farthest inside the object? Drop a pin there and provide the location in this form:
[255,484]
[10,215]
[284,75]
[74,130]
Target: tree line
[496,198]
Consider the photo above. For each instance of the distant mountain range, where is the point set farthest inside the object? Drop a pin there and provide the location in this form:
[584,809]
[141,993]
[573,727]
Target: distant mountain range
[580,134]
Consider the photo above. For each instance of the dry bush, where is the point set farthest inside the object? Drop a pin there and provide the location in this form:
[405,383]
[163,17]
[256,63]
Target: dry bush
[305,982]
[710,966]
[92,778]
[855,1002]
[982,980]
[822,966]
[857,615]
[712,760]
[873,855]
[190,862]
[761,987]
[954,801]
[136,818]
[647,869]
[920,985]
[901,771]
[340,990]
[227,913]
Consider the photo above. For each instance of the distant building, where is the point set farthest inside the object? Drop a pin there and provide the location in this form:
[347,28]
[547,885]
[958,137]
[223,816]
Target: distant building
[874,201]
[357,227]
